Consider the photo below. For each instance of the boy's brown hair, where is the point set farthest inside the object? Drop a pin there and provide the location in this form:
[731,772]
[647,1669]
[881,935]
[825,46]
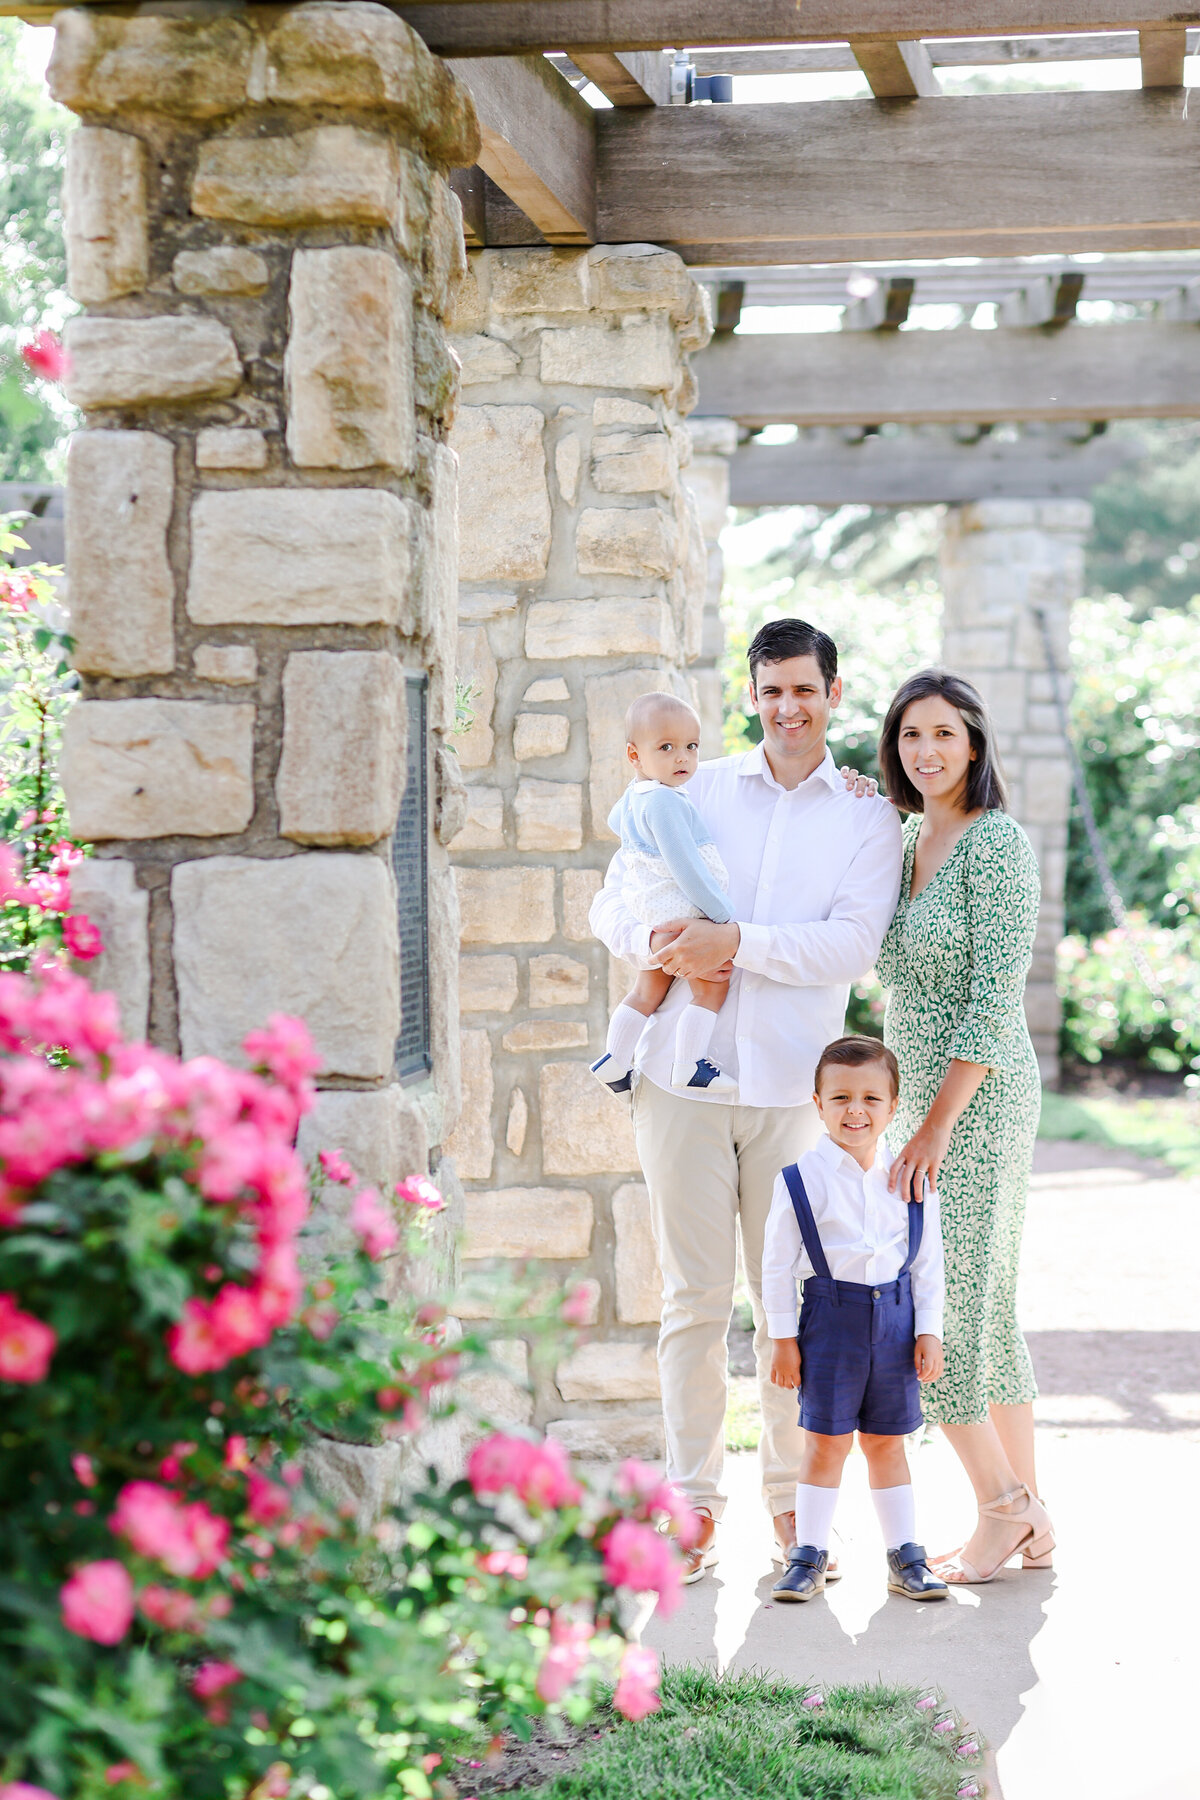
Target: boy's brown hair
[853,1053]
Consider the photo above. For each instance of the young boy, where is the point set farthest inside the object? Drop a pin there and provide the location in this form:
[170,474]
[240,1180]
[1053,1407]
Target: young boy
[673,870]
[871,1318]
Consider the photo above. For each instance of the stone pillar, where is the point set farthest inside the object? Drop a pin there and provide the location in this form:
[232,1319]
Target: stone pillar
[1002,562]
[583,582]
[261,540]
[707,477]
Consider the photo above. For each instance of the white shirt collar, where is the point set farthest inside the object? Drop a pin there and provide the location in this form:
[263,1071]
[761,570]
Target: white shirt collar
[837,1158]
[643,787]
[754,762]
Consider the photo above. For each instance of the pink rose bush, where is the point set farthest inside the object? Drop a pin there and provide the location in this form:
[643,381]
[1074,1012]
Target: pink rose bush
[181,1382]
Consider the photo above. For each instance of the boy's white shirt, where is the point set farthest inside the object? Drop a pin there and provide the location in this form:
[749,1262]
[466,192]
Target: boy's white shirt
[864,1233]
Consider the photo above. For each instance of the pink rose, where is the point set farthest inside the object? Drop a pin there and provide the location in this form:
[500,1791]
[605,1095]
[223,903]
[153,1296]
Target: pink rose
[97,1602]
[207,1536]
[564,1659]
[577,1306]
[499,1462]
[503,1562]
[373,1223]
[268,1501]
[637,1683]
[84,1469]
[195,1345]
[335,1167]
[123,1771]
[24,1790]
[284,1047]
[638,1557]
[26,1345]
[418,1190]
[188,1540]
[212,1678]
[169,1608]
[47,358]
[237,1453]
[81,937]
[548,1482]
[238,1321]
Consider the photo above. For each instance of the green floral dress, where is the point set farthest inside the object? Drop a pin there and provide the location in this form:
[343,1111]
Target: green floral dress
[954,962]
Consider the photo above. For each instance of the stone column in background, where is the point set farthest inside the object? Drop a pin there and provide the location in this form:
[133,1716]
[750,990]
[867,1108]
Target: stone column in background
[1003,562]
[707,478]
[584,579]
[261,536]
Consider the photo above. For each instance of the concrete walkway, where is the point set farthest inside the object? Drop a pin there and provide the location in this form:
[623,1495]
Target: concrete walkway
[1083,1679]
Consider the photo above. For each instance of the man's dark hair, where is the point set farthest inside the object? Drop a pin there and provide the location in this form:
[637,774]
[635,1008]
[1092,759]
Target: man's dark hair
[855,1053]
[985,778]
[784,638]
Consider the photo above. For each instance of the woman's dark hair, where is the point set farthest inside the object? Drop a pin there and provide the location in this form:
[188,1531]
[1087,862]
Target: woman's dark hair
[985,778]
[856,1053]
[784,638]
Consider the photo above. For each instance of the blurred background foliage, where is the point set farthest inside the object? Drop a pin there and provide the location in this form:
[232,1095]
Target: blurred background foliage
[34,418]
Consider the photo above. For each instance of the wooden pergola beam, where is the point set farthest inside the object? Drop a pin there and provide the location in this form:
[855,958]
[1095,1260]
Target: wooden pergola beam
[850,180]
[1127,371]
[895,70]
[1162,54]
[910,469]
[539,142]
[626,77]
[953,53]
[504,27]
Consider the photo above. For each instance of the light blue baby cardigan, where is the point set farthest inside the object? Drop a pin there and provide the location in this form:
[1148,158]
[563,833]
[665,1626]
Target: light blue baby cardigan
[655,820]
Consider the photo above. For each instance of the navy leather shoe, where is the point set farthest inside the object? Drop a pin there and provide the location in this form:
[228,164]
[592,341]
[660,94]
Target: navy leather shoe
[909,1574]
[618,1083]
[804,1576]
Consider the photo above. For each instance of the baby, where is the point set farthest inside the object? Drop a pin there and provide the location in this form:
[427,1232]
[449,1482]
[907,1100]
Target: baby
[672,870]
[871,1319]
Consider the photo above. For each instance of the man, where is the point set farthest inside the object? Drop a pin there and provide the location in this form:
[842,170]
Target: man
[814,876]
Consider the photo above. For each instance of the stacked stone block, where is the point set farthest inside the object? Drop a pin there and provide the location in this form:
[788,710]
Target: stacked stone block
[1004,562]
[584,578]
[261,529]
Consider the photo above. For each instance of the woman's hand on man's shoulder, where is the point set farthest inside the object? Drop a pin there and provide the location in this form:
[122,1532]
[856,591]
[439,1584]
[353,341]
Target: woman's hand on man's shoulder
[863,787]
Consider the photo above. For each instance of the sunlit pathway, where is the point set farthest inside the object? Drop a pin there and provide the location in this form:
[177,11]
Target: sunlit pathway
[1080,1678]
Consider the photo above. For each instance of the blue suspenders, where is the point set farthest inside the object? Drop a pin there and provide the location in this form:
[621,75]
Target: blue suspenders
[812,1238]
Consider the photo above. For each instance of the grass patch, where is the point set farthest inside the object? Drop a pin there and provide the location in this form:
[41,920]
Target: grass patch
[743,1416]
[1163,1127]
[736,1736]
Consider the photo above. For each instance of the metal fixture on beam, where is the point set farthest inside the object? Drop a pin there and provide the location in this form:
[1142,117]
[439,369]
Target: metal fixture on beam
[688,88]
[885,308]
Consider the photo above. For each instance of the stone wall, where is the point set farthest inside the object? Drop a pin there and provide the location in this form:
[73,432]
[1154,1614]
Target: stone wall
[584,578]
[261,533]
[1003,562]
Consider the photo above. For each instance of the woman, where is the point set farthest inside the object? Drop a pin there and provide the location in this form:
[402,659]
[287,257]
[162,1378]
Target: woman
[954,961]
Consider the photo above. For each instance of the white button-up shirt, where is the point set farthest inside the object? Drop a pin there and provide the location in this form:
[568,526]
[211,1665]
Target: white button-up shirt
[814,876]
[863,1231]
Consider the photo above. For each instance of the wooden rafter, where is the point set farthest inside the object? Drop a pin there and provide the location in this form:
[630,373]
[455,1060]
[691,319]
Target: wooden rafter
[539,142]
[847,180]
[626,77]
[498,27]
[1124,371]
[895,70]
[922,468]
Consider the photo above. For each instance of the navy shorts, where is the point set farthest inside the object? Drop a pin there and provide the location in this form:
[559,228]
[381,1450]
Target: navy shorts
[857,1371]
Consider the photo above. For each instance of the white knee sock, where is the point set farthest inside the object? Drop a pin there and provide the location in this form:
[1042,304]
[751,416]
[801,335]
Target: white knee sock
[897,1515]
[815,1507]
[624,1029]
[693,1034]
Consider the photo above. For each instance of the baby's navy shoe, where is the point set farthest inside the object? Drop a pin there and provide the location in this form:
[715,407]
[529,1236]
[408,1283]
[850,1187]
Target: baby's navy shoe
[804,1576]
[702,1074]
[909,1574]
[609,1074]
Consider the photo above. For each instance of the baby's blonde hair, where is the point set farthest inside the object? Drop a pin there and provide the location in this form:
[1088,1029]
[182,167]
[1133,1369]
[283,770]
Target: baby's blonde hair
[648,707]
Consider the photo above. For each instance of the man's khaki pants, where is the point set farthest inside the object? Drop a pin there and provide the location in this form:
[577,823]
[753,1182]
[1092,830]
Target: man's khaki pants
[708,1169]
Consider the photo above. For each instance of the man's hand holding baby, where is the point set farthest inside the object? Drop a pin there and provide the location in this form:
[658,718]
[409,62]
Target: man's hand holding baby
[697,949]
[785,1362]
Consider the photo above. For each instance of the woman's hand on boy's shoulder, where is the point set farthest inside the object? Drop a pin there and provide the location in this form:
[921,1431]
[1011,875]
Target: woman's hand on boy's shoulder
[928,1357]
[785,1362]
